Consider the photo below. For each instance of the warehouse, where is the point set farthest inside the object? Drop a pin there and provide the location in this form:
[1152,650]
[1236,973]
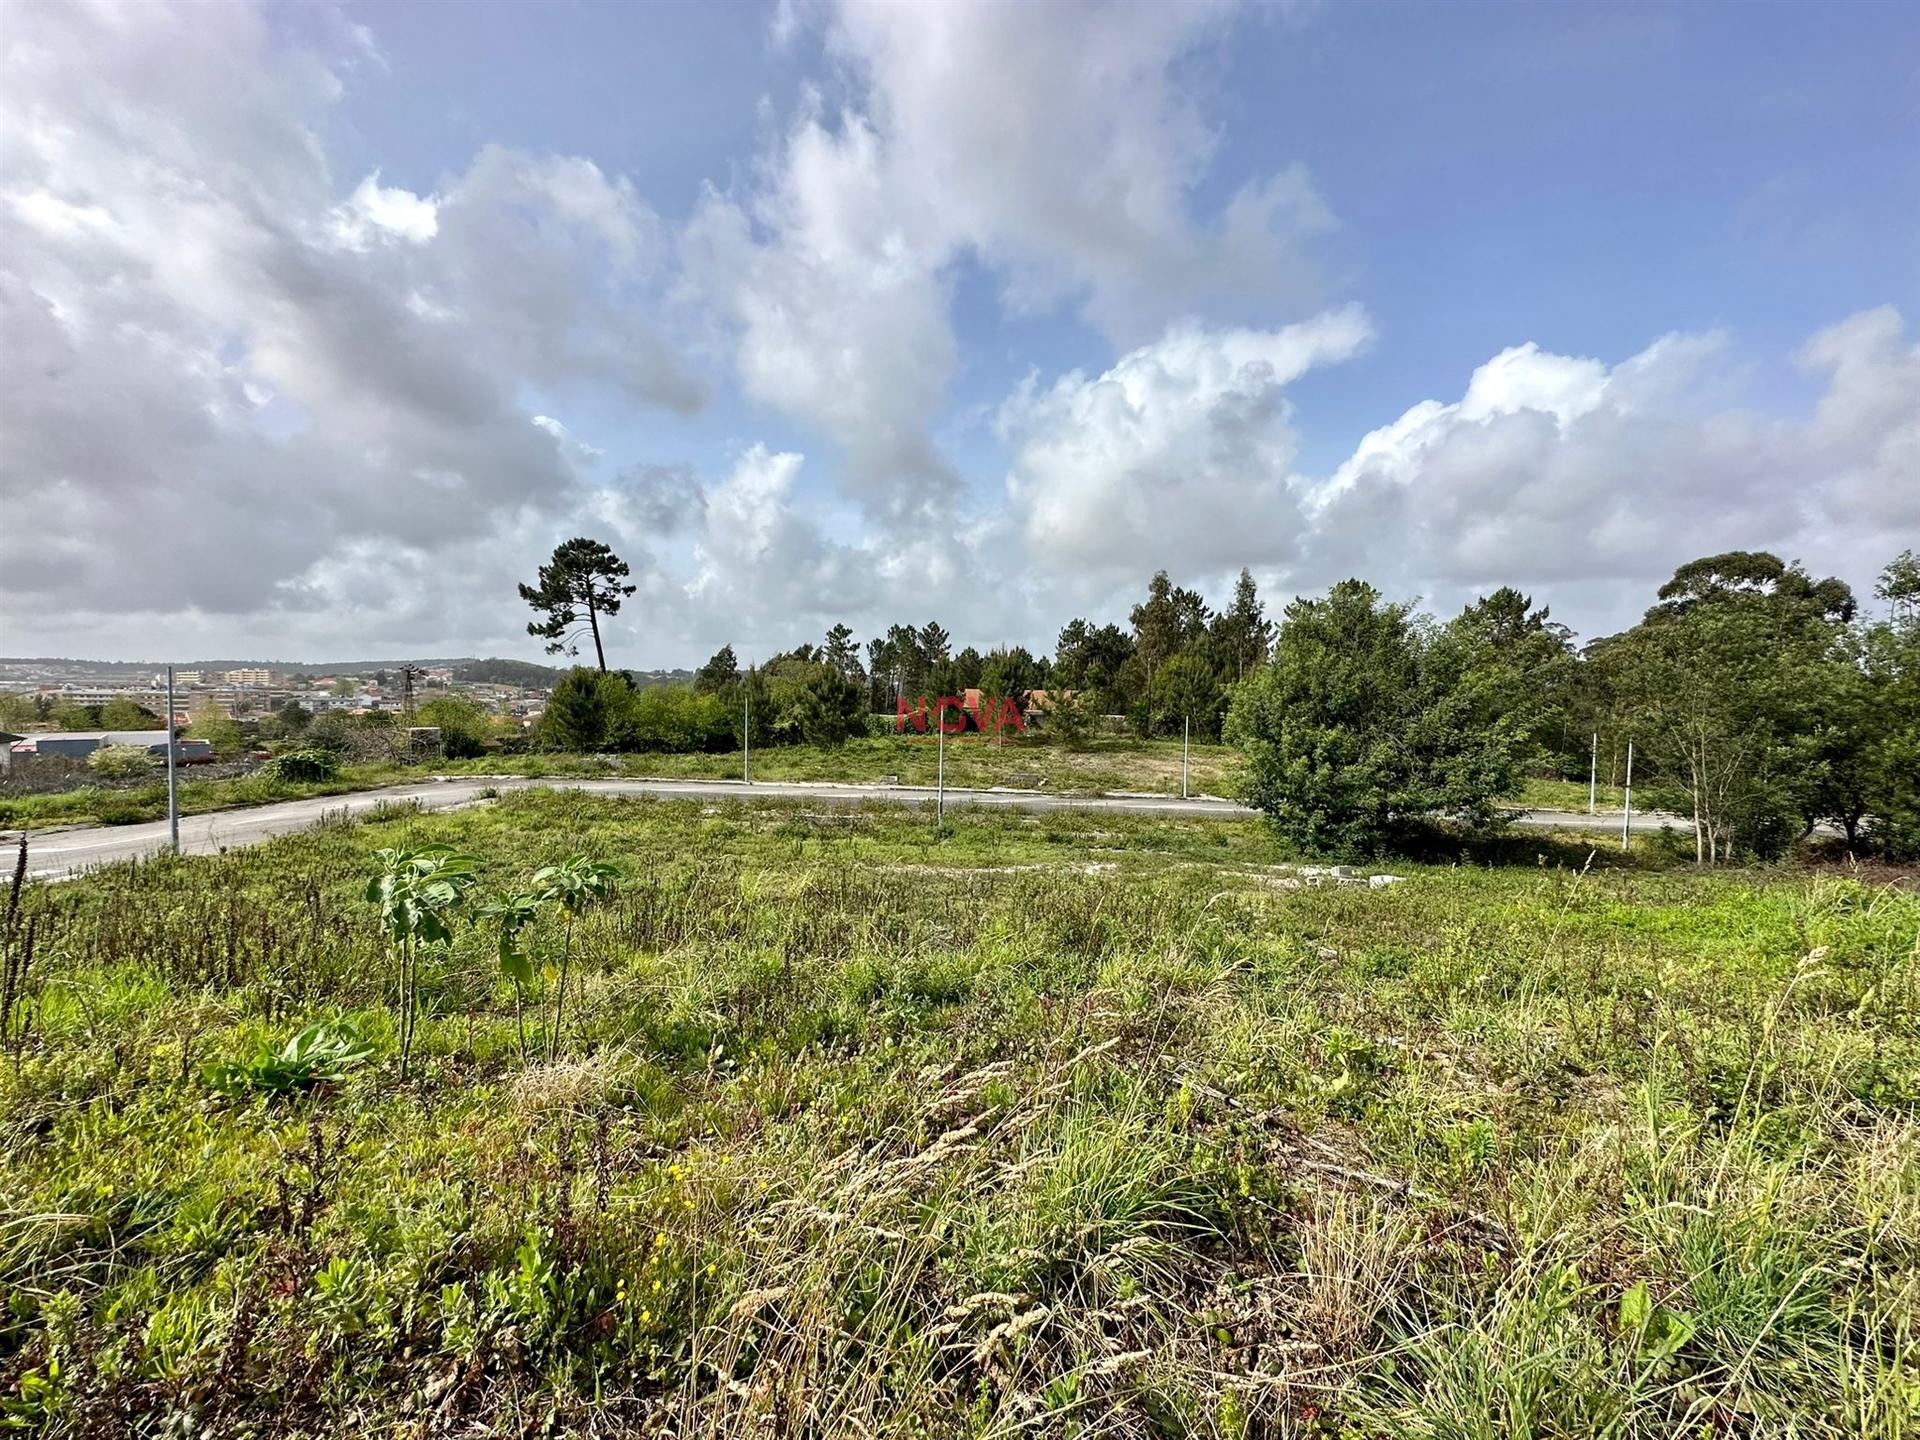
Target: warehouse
[78,744]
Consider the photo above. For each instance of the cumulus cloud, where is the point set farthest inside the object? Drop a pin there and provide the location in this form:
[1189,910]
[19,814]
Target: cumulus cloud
[1563,473]
[1055,144]
[225,385]
[279,406]
[1181,453]
[841,311]
[1063,144]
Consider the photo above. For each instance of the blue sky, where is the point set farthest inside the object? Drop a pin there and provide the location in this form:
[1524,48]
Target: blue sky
[853,310]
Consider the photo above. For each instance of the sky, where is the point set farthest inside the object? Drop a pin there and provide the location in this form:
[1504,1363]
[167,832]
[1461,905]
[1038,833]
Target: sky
[321,324]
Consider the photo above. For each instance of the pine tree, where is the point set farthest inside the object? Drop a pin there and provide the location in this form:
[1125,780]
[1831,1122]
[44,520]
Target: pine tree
[577,586]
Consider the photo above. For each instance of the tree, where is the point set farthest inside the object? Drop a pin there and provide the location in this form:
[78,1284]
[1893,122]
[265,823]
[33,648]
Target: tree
[1066,716]
[575,885]
[1090,659]
[1188,691]
[1168,621]
[1242,633]
[214,725]
[1356,732]
[842,652]
[464,724]
[1899,586]
[967,667]
[1889,739]
[722,672]
[1722,684]
[121,713]
[898,663]
[582,711]
[809,700]
[577,586]
[19,713]
[1008,672]
[1515,663]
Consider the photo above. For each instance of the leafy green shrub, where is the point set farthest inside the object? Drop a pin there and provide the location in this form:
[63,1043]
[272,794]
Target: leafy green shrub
[121,762]
[320,1054]
[303,765]
[1366,724]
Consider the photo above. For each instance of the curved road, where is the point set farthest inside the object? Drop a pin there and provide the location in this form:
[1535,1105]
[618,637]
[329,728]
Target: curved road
[53,854]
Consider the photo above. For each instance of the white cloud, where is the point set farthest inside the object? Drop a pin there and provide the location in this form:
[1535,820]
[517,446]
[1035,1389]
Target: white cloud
[211,403]
[1866,432]
[577,451]
[1560,473]
[1057,144]
[1179,455]
[841,312]
[387,210]
[1064,145]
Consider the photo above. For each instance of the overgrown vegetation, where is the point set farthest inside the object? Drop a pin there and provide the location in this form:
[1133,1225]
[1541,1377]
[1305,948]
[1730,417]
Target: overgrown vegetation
[1034,1124]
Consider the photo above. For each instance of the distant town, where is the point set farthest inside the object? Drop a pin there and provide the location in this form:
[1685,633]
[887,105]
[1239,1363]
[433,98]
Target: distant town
[514,689]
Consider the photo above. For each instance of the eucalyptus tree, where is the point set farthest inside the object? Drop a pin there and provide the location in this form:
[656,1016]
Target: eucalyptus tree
[1723,686]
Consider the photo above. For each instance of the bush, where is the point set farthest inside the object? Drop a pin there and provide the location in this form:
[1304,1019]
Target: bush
[306,766]
[586,710]
[1364,727]
[674,718]
[121,762]
[464,724]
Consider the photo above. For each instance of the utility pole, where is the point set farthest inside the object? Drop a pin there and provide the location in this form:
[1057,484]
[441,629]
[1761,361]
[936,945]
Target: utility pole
[1626,820]
[1593,774]
[746,729]
[173,792]
[940,772]
[1186,738]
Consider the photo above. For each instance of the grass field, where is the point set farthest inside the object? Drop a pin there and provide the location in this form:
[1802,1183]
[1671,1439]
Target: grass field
[1100,767]
[1044,1124]
[1572,795]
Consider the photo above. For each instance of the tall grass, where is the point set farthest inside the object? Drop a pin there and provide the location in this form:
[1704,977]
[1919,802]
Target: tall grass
[1038,1124]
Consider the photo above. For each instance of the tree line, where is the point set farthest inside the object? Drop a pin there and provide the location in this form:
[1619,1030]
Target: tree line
[1758,701]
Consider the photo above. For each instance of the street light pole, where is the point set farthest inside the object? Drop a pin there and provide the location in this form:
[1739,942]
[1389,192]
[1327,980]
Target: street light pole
[173,792]
[1626,820]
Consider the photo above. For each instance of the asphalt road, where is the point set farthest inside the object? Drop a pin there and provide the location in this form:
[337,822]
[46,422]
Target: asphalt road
[58,853]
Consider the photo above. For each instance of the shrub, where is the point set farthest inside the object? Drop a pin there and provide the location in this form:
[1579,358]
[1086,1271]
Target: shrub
[121,762]
[464,725]
[303,765]
[1364,726]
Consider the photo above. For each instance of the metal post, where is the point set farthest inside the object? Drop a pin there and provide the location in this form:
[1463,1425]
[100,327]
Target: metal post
[1626,820]
[1593,774]
[173,791]
[940,792]
[1186,736]
[746,729]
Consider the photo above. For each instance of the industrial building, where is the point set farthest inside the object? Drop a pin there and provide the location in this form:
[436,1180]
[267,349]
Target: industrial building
[78,744]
